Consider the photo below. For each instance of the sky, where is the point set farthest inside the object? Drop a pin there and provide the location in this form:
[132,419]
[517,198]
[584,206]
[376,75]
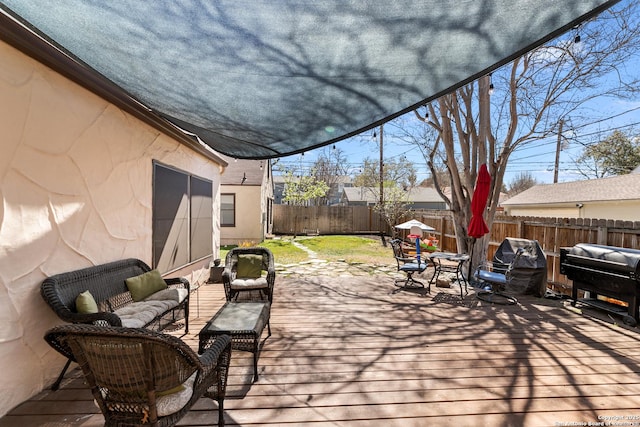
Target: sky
[537,158]
[603,117]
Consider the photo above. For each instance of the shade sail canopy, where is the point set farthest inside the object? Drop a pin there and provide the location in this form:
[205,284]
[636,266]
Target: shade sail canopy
[267,79]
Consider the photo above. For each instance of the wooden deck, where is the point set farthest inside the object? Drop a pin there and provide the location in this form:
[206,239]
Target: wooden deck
[352,352]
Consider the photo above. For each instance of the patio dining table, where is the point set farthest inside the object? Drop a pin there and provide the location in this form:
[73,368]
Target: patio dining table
[450,263]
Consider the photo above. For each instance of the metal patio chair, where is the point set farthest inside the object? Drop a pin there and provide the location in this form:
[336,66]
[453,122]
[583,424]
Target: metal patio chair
[409,266]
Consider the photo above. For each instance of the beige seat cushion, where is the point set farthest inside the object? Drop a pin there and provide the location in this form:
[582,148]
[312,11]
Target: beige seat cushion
[139,314]
[173,402]
[173,294]
[246,284]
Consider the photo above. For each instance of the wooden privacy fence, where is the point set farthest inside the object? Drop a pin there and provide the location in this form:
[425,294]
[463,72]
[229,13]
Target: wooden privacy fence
[551,233]
[327,220]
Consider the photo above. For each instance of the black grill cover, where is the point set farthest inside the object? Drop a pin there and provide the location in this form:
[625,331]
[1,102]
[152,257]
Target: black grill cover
[528,270]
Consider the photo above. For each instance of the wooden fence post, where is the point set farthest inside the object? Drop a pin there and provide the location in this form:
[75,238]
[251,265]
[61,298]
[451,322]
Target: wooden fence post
[603,233]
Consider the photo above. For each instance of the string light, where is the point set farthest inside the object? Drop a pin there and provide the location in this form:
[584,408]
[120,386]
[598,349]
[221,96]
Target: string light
[491,89]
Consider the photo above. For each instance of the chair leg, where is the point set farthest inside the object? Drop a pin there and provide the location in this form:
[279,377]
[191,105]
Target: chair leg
[255,366]
[413,283]
[56,385]
[221,411]
[186,319]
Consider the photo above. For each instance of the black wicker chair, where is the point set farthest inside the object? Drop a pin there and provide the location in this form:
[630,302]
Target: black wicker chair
[142,377]
[258,286]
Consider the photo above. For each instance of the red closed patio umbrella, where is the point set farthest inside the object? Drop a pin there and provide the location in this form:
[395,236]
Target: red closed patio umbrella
[477,226]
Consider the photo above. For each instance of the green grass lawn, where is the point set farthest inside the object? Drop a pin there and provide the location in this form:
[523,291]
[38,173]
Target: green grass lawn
[350,248]
[283,251]
[353,249]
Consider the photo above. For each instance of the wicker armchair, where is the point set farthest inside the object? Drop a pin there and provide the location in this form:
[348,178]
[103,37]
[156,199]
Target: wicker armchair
[142,377]
[249,274]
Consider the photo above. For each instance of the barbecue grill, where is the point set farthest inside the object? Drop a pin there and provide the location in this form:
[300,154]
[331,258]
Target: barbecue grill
[527,265]
[604,273]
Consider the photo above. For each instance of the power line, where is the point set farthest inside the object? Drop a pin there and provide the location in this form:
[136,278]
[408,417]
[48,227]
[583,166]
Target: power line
[604,119]
[608,118]
[421,167]
[609,130]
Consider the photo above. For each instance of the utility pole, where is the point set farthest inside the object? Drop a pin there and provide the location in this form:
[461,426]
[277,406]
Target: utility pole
[382,182]
[558,148]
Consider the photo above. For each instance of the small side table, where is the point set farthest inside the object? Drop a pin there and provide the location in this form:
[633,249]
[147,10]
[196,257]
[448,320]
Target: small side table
[453,264]
[244,322]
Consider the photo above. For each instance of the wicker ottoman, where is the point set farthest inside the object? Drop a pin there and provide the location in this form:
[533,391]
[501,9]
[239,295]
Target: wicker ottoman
[244,322]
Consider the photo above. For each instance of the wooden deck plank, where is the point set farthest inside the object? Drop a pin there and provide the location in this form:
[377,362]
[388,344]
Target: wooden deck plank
[354,352]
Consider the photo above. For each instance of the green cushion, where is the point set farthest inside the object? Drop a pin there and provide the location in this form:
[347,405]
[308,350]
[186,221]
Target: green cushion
[249,266]
[145,284]
[173,390]
[86,304]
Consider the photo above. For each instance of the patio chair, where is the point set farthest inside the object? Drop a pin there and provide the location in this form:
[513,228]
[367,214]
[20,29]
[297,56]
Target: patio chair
[493,279]
[142,377]
[408,265]
[249,274]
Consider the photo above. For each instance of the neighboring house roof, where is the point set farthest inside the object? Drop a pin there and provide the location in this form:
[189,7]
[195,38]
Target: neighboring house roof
[424,194]
[623,187]
[503,196]
[342,179]
[243,172]
[361,194]
[369,194]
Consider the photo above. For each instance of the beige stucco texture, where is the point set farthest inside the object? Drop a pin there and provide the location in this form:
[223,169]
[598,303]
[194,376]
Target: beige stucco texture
[249,222]
[624,210]
[75,190]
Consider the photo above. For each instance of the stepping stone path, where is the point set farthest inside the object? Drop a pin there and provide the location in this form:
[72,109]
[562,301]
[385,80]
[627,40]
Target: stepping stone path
[340,268]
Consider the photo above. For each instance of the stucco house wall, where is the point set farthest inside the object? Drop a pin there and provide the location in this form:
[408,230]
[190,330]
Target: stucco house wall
[251,181]
[75,190]
[549,211]
[626,210]
[249,224]
[616,197]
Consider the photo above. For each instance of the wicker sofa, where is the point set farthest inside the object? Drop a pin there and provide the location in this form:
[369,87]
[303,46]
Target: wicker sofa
[116,306]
